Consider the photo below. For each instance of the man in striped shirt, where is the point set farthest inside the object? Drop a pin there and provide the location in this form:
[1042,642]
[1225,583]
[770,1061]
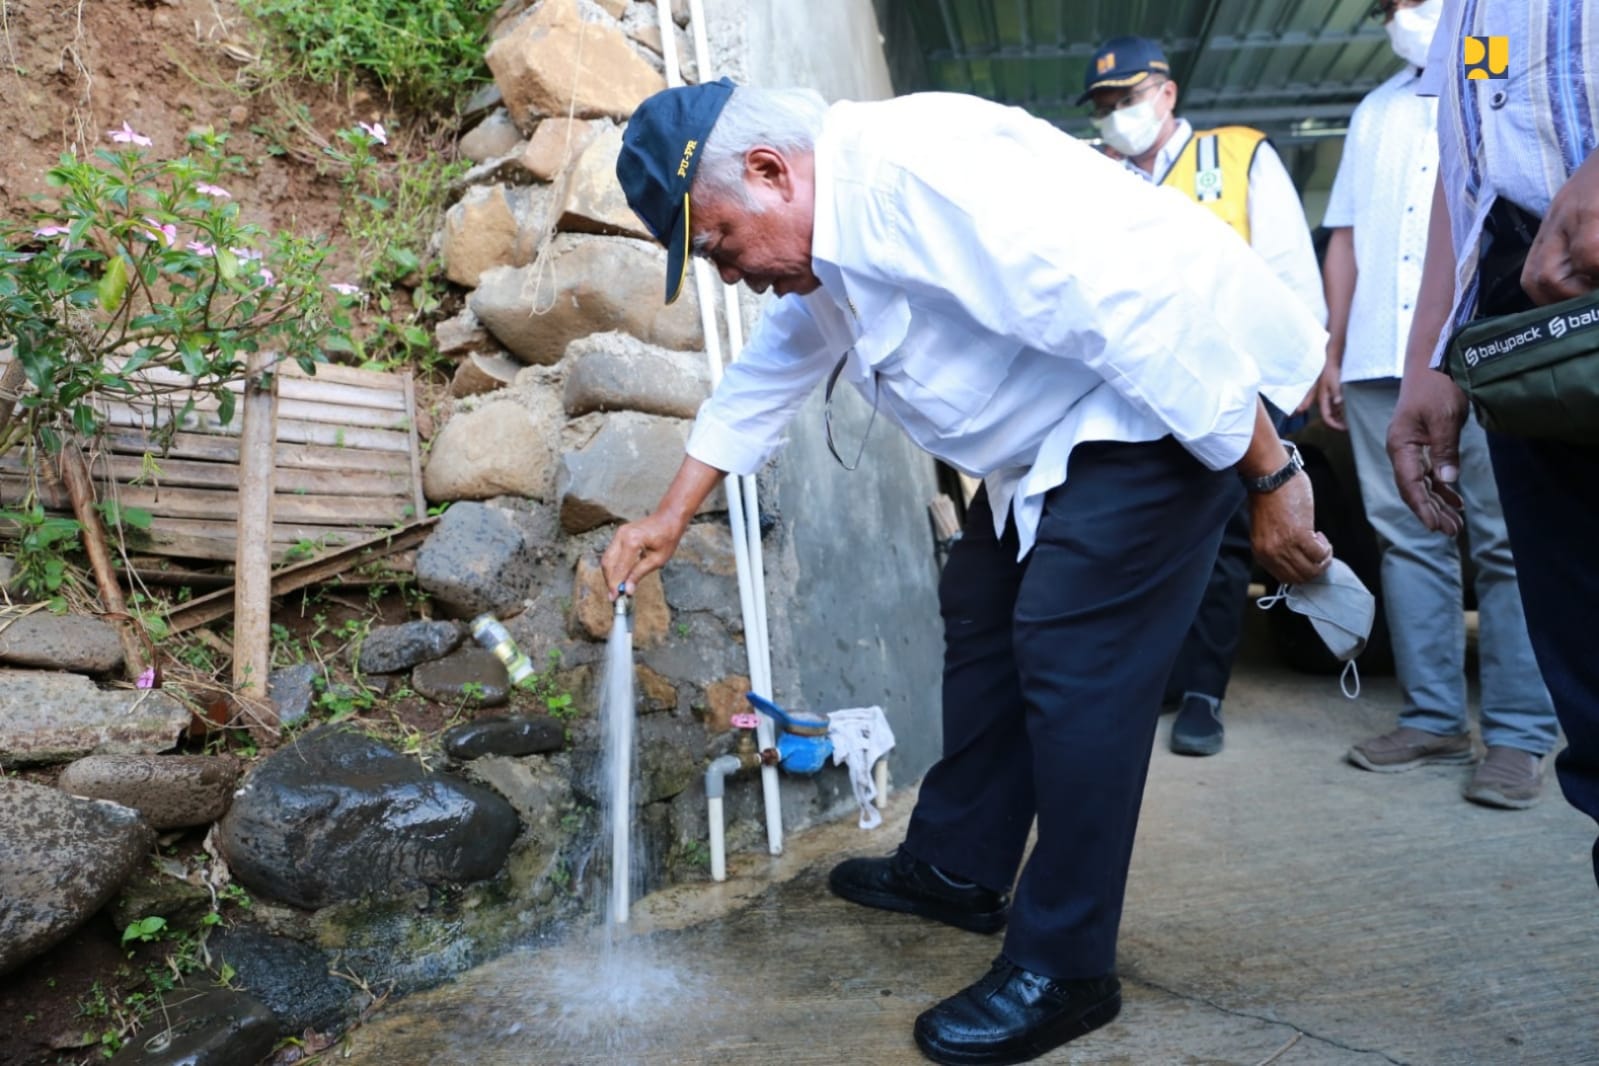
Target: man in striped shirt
[1515,224]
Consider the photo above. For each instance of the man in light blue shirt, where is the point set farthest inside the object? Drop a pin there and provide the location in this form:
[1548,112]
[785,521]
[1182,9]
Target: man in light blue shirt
[1108,399]
[1515,224]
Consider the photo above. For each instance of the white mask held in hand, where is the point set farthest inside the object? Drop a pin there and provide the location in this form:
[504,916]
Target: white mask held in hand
[1341,610]
[1131,130]
[1410,31]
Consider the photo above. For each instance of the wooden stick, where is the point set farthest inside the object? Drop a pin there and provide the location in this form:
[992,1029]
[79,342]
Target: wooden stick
[252,566]
[75,472]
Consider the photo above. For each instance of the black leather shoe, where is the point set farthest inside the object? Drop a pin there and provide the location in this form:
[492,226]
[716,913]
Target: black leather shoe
[1197,729]
[904,883]
[1012,1015]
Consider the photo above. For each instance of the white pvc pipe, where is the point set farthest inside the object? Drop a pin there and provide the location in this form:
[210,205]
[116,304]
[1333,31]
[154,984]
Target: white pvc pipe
[748,562]
[880,782]
[713,815]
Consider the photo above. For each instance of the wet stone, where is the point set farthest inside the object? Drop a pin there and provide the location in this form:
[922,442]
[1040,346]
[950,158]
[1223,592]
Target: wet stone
[51,717]
[505,736]
[171,791]
[194,1028]
[293,979]
[390,649]
[470,674]
[338,816]
[152,893]
[61,858]
[292,690]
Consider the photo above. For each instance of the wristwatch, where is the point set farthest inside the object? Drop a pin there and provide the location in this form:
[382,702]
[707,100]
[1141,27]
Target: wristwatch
[1277,479]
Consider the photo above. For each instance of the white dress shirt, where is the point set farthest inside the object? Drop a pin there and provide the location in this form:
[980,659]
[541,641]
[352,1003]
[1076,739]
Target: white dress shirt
[1520,136]
[996,286]
[1384,191]
[1277,228]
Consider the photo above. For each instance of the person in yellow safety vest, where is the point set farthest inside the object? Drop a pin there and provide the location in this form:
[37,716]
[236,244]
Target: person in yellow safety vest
[1235,173]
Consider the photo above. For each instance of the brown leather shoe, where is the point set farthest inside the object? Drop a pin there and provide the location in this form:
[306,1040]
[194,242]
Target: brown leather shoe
[1406,748]
[1509,778]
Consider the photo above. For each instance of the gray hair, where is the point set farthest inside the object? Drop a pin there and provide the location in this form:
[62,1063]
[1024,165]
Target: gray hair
[785,119]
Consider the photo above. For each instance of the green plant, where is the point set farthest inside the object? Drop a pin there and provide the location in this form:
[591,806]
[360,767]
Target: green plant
[145,930]
[147,264]
[696,854]
[426,53]
[39,549]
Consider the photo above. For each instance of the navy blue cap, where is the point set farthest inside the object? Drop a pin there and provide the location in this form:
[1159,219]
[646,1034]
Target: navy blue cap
[660,151]
[1122,62]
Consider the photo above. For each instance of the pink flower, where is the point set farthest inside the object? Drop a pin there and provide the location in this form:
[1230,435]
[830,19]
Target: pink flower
[52,231]
[146,679]
[126,135]
[375,131]
[207,189]
[166,234]
[345,289]
[200,248]
[245,255]
[267,277]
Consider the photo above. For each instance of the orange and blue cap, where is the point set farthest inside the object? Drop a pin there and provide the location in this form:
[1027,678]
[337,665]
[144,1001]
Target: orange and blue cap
[661,150]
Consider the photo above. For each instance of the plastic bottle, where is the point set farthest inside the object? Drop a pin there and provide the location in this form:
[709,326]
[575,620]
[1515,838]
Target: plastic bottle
[491,633]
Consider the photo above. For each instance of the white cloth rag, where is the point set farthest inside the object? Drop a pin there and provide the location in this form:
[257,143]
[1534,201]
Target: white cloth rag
[860,737]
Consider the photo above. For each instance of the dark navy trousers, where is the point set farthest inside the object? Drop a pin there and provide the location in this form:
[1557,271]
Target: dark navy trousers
[1053,671]
[1550,495]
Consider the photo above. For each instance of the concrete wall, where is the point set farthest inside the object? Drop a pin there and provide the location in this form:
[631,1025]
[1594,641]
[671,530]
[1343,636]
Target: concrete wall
[851,577]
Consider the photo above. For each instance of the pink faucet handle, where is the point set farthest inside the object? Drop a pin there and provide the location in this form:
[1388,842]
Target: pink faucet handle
[745,721]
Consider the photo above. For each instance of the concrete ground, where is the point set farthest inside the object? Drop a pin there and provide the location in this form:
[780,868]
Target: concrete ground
[1283,908]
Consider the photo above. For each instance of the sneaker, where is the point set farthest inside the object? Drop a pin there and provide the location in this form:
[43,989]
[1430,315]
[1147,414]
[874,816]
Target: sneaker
[1508,777]
[901,882]
[1197,729]
[1406,748]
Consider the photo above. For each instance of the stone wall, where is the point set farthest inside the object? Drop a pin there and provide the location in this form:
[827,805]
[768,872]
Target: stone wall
[576,387]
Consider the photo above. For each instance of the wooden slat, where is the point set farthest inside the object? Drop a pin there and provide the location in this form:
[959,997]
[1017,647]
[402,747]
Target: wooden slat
[187,473]
[347,375]
[307,509]
[210,607]
[169,405]
[293,432]
[214,448]
[317,389]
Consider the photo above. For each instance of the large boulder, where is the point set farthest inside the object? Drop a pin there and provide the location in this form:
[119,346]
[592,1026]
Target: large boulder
[494,226]
[703,574]
[59,642]
[619,372]
[590,285]
[554,63]
[338,816]
[477,559]
[502,448]
[390,649]
[171,791]
[51,718]
[61,859]
[616,472]
[594,201]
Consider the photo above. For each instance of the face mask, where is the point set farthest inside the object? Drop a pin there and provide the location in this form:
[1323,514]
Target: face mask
[1410,31]
[1131,130]
[1341,610]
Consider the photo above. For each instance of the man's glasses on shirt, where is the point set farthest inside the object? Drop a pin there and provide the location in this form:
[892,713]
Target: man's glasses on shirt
[1130,98]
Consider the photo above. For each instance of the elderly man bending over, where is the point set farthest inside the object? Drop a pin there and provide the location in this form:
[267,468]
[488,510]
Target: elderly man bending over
[985,281]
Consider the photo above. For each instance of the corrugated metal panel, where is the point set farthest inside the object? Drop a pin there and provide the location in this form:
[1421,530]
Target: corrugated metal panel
[1295,68]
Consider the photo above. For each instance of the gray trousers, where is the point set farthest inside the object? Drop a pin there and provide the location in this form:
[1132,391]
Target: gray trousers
[1421,584]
